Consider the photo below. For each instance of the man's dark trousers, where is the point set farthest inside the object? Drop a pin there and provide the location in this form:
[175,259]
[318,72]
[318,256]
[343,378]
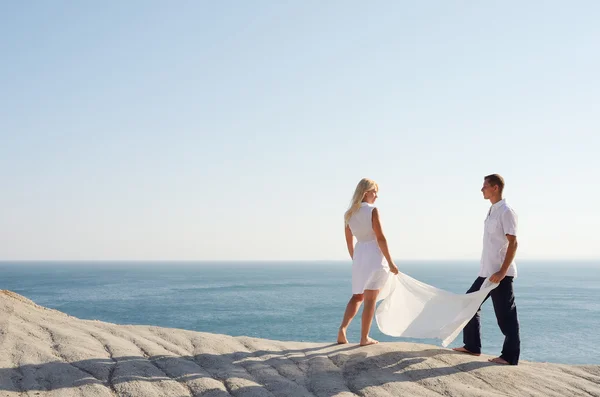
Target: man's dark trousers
[503,298]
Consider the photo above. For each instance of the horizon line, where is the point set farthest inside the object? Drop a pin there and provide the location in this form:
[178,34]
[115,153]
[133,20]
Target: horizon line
[284,260]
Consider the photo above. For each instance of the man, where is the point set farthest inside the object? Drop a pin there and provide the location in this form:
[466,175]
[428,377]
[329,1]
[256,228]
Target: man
[497,263]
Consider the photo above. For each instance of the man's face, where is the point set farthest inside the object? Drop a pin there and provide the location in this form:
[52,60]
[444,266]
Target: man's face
[488,190]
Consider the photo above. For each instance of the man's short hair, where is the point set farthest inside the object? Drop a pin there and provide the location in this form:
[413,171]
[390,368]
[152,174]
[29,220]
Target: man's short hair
[495,180]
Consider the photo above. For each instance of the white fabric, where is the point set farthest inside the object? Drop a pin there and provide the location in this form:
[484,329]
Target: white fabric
[501,220]
[369,268]
[414,309]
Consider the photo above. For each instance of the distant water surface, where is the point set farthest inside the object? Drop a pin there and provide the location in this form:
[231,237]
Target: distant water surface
[558,302]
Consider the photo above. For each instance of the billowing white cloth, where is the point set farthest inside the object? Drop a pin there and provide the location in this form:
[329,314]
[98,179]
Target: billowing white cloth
[414,309]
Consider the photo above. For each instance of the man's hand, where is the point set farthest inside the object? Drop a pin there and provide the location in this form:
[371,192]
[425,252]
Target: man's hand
[497,277]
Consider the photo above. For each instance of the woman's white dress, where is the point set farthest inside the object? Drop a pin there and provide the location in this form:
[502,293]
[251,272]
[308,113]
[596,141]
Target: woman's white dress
[370,270]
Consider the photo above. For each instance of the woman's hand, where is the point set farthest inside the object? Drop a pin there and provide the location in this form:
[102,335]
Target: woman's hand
[393,268]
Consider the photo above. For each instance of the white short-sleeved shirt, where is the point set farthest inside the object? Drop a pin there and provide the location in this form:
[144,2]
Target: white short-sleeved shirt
[501,220]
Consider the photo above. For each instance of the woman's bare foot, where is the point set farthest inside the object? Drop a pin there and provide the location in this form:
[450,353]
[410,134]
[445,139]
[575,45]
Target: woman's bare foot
[499,360]
[463,350]
[342,336]
[369,341]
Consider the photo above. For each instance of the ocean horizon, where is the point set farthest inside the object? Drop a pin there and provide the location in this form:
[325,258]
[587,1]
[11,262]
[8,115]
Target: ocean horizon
[558,301]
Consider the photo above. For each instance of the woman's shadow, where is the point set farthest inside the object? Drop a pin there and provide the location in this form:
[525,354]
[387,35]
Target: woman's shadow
[322,371]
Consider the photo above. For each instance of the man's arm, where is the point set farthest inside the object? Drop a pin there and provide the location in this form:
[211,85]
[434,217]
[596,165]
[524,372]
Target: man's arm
[511,251]
[509,225]
[510,256]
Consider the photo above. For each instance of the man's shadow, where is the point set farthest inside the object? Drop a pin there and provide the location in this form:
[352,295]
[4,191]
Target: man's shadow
[321,371]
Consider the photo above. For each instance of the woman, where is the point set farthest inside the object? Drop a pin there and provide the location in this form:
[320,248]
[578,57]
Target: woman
[371,260]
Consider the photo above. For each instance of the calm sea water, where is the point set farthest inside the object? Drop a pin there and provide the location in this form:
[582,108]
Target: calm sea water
[558,302]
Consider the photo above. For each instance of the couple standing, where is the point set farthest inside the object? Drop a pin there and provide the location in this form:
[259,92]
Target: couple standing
[372,264]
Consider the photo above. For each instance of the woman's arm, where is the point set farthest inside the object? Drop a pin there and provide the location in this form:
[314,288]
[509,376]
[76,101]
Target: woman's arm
[382,242]
[349,241]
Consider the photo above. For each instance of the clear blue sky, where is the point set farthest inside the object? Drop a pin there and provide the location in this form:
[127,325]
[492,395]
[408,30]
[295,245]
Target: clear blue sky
[238,130]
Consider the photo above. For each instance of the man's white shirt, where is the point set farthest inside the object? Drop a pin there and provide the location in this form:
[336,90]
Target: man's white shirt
[501,220]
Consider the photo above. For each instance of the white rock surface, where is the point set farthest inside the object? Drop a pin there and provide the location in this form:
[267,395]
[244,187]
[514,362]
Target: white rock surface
[44,352]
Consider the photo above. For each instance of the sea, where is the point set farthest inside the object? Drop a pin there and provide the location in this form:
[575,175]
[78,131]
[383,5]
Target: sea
[558,302]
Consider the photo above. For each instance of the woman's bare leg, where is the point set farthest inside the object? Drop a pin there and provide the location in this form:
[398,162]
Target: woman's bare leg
[370,297]
[351,310]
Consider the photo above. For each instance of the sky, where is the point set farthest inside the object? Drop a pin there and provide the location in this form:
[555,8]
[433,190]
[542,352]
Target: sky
[234,130]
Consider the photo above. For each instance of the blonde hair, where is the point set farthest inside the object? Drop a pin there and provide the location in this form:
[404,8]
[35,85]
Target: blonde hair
[362,188]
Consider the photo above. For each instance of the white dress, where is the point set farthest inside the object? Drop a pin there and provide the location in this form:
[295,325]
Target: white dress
[370,270]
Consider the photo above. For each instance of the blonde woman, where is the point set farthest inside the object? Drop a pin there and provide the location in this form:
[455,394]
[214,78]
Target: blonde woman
[371,260]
